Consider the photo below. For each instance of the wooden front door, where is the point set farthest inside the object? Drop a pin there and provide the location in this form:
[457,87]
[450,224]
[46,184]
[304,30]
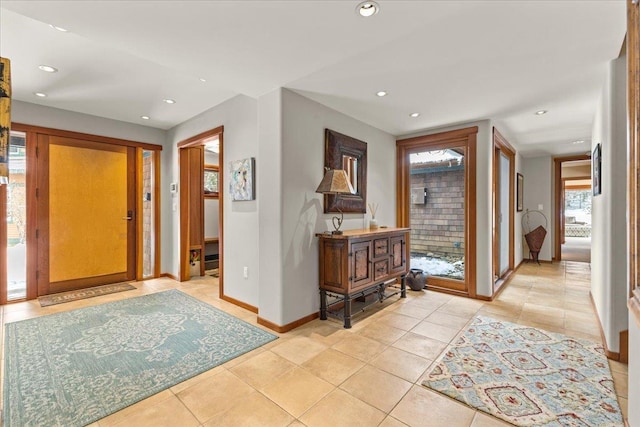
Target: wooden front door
[86,208]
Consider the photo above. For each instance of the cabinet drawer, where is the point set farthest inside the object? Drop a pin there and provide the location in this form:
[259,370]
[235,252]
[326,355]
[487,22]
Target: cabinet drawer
[380,269]
[381,247]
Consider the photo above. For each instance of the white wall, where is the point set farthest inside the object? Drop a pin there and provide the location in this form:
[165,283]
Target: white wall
[483,180]
[301,150]
[634,371]
[271,288]
[538,190]
[55,118]
[609,222]
[239,118]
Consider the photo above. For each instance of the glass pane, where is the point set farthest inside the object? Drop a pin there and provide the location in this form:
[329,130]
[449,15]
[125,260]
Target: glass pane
[148,235]
[437,218]
[17,218]
[577,206]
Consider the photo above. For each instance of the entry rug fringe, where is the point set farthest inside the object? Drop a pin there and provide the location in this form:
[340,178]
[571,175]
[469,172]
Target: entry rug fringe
[79,294]
[73,368]
[527,376]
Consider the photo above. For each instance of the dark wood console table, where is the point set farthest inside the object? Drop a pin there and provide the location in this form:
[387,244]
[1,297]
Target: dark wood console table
[358,264]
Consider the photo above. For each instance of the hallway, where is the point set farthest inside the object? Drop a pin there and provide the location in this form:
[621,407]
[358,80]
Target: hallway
[323,375]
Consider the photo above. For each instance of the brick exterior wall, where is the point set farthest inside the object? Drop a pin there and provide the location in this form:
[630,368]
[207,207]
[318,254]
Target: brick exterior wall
[437,227]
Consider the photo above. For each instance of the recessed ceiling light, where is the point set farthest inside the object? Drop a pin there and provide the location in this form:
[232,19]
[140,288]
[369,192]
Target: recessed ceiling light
[144,117]
[55,27]
[203,79]
[169,101]
[414,115]
[48,68]
[40,94]
[381,93]
[578,141]
[367,8]
[541,112]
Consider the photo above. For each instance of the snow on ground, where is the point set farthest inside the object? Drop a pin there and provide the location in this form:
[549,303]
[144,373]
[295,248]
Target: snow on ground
[438,267]
[17,270]
[580,215]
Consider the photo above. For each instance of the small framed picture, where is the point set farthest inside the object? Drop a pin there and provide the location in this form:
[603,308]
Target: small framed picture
[242,179]
[211,183]
[520,193]
[596,168]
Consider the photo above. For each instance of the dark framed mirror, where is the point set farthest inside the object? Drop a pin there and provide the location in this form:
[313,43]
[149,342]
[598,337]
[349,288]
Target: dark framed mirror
[350,154]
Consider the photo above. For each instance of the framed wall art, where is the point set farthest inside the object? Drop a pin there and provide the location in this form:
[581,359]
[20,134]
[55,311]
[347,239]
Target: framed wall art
[596,168]
[242,179]
[520,193]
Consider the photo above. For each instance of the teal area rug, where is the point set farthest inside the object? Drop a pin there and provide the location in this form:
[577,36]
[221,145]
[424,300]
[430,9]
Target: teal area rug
[528,377]
[73,368]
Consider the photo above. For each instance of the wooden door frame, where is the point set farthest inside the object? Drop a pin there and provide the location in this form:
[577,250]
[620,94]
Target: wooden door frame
[32,241]
[466,137]
[42,206]
[198,140]
[501,145]
[31,133]
[156,209]
[633,171]
[558,190]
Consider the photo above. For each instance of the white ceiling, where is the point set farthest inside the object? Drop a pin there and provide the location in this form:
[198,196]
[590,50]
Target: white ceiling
[452,61]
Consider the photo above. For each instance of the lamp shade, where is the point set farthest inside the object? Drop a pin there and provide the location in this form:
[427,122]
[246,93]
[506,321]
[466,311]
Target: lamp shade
[335,181]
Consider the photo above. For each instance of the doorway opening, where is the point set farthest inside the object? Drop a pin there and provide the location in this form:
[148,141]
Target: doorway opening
[436,199]
[504,170]
[72,210]
[576,243]
[573,208]
[201,207]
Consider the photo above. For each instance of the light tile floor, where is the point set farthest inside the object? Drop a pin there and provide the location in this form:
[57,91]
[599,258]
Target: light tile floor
[323,375]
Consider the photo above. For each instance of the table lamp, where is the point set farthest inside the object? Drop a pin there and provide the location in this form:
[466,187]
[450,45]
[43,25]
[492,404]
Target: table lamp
[335,181]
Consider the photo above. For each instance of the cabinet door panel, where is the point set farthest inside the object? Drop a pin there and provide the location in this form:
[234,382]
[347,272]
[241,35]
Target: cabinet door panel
[333,265]
[398,259]
[361,269]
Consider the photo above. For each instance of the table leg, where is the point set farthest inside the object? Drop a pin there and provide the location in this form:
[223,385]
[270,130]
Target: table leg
[403,286]
[323,304]
[347,312]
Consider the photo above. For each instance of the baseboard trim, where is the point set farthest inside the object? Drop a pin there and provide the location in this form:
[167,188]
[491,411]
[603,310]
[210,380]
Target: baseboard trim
[624,339]
[239,303]
[170,276]
[624,347]
[289,326]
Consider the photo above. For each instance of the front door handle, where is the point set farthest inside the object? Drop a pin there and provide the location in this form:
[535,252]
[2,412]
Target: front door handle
[129,216]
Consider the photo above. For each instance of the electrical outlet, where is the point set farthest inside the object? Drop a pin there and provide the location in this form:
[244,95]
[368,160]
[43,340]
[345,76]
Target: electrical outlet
[245,272]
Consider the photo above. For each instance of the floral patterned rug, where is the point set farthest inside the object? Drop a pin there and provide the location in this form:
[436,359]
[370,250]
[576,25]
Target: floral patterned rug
[73,368]
[527,376]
